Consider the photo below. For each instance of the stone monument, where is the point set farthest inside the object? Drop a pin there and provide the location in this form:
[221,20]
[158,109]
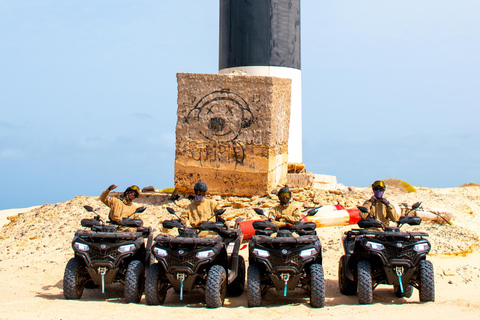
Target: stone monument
[232,133]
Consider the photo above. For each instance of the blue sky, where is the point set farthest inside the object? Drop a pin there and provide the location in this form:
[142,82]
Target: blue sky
[88,92]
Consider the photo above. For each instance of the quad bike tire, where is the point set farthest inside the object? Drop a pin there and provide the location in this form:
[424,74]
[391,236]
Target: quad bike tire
[346,286]
[407,291]
[74,279]
[317,286]
[365,282]
[254,293]
[238,285]
[216,287]
[155,285]
[134,282]
[427,281]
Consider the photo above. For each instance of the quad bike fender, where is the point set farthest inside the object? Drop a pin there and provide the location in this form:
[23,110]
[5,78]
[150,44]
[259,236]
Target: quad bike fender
[350,268]
[420,257]
[348,244]
[220,259]
[148,252]
[233,268]
[109,276]
[83,256]
[263,263]
[233,261]
[163,263]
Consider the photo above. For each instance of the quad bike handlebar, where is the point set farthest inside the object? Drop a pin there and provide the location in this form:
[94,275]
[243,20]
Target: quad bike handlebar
[371,222]
[219,226]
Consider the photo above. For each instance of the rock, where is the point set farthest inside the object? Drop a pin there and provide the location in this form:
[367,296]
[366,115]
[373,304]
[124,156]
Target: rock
[239,205]
[300,197]
[183,203]
[273,196]
[308,205]
[148,189]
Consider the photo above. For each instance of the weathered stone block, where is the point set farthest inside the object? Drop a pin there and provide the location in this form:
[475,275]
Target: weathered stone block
[311,180]
[232,133]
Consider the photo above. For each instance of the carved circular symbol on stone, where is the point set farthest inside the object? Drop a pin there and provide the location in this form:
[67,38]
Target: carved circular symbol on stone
[217,124]
[220,116]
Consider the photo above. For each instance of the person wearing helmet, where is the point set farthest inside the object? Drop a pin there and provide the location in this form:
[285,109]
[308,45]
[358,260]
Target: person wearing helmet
[123,207]
[285,213]
[200,209]
[378,206]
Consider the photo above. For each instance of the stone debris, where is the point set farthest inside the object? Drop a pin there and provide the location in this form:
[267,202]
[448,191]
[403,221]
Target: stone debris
[52,226]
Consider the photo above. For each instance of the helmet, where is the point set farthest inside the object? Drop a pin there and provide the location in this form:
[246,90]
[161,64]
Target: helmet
[378,185]
[284,192]
[200,187]
[133,188]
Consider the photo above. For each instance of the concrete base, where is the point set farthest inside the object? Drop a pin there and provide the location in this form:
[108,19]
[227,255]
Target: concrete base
[311,180]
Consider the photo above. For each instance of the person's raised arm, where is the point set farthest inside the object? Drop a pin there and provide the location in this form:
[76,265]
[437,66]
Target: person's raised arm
[104,195]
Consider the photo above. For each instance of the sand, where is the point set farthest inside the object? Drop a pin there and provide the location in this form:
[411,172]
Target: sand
[35,248]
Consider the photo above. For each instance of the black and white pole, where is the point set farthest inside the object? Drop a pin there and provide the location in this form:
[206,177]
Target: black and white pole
[262,38]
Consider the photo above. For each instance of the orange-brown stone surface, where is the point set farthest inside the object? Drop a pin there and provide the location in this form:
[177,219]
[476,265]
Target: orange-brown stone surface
[232,133]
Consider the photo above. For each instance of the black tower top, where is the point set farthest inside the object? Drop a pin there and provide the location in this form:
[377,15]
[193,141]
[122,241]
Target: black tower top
[259,33]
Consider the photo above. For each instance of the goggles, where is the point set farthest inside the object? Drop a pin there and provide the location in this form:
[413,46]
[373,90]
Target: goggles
[284,195]
[134,192]
[378,185]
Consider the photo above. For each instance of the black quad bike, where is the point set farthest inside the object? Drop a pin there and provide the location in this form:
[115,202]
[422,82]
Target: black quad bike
[386,256]
[292,259]
[189,261]
[109,253]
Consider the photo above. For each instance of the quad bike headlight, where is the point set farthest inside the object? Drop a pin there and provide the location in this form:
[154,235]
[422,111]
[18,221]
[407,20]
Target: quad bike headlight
[420,247]
[308,252]
[205,254]
[126,248]
[160,252]
[81,246]
[374,245]
[261,253]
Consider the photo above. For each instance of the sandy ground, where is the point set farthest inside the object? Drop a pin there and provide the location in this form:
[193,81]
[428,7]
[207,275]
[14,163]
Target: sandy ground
[4,214]
[36,247]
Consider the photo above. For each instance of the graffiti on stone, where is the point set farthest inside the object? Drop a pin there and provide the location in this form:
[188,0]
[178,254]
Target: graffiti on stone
[220,117]
[225,152]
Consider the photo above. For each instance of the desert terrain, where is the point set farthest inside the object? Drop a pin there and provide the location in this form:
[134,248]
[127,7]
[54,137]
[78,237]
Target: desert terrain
[35,245]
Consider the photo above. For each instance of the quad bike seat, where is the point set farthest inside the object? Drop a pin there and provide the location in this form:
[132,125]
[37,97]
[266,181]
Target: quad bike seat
[266,232]
[104,228]
[221,229]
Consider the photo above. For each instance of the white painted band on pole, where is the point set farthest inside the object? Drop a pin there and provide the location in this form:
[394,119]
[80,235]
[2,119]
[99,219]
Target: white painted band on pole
[295,132]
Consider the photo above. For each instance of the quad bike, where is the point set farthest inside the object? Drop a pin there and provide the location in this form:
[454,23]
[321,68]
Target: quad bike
[292,259]
[189,261]
[104,255]
[386,256]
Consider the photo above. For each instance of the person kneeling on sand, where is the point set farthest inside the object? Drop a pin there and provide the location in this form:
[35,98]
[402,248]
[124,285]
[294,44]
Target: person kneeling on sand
[123,207]
[379,207]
